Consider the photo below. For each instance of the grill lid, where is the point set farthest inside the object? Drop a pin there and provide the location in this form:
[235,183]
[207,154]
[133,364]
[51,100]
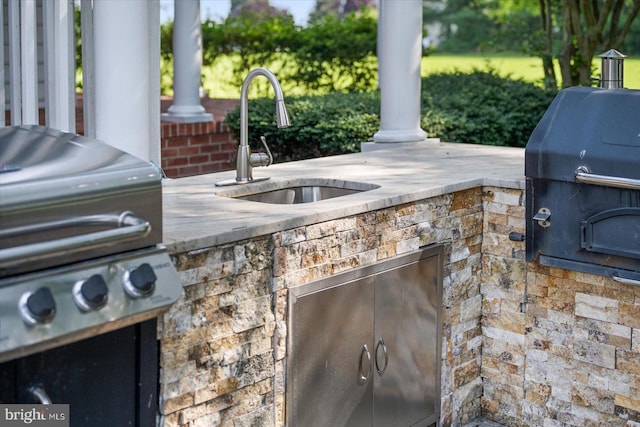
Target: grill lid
[66,198]
[39,163]
[594,128]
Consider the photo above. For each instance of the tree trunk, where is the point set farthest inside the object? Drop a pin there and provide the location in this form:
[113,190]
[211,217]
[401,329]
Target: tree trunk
[546,14]
[584,24]
[568,50]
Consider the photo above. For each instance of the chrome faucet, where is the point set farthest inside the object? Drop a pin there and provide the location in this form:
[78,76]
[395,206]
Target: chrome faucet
[246,160]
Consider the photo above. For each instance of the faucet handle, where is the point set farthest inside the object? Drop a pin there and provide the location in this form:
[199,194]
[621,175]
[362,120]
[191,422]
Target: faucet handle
[262,159]
[266,147]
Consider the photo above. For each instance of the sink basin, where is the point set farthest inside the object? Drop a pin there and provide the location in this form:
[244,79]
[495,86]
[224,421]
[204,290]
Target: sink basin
[296,191]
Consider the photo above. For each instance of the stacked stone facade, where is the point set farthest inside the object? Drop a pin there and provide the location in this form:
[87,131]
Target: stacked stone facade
[216,361]
[560,348]
[503,321]
[223,345]
[522,344]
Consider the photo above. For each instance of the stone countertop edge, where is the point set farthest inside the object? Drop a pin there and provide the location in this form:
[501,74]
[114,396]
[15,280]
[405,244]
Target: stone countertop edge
[195,218]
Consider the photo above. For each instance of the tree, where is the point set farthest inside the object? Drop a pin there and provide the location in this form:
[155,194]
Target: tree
[339,7]
[465,24]
[237,6]
[335,53]
[546,52]
[250,39]
[588,27]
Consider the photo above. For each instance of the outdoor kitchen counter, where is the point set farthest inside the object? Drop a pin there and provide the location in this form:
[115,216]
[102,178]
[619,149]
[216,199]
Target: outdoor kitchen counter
[195,218]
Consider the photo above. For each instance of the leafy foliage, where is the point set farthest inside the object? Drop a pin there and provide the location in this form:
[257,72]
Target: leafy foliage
[255,38]
[331,54]
[339,7]
[480,108]
[321,126]
[570,32]
[337,54]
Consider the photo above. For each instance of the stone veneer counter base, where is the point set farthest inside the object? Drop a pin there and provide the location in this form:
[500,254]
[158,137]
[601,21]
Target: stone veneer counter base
[522,344]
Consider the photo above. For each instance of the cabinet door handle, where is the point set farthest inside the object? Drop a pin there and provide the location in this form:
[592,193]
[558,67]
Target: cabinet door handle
[382,345]
[365,376]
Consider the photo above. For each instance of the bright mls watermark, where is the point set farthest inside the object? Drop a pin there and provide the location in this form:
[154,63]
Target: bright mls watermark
[34,415]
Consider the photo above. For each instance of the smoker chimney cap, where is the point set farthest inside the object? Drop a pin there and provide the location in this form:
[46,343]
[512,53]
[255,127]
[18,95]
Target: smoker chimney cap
[612,54]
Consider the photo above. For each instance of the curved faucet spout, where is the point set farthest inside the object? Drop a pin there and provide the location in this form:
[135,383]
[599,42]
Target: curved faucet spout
[245,160]
[282,117]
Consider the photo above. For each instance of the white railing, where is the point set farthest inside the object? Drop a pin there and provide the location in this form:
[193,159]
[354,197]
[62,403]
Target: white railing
[120,108]
[40,62]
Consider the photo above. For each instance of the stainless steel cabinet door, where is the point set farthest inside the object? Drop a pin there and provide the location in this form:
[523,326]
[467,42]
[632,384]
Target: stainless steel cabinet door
[406,356]
[331,370]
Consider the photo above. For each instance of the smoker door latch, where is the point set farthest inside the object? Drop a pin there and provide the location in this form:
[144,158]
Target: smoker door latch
[542,217]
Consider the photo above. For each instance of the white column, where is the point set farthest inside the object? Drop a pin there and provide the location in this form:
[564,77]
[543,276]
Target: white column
[187,65]
[399,57]
[88,68]
[124,88]
[59,60]
[29,62]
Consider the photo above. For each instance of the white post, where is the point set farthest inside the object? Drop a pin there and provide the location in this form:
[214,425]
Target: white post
[15,69]
[153,67]
[123,86]
[3,95]
[29,62]
[187,65]
[88,69]
[59,53]
[399,58]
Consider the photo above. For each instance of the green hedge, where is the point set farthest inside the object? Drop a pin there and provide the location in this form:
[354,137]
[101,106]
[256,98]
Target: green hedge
[482,108]
[325,125]
[478,108]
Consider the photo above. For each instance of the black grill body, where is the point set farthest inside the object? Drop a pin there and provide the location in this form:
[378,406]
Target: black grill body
[582,168]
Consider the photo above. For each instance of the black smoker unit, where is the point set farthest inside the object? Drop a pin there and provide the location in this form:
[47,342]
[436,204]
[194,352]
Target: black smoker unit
[82,277]
[582,167]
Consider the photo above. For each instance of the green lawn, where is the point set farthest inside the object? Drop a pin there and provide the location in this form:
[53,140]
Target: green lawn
[520,67]
[216,79]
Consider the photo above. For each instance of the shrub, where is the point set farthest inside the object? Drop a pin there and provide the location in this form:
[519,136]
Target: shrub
[478,108]
[331,54]
[335,53]
[482,108]
[326,125]
[250,39]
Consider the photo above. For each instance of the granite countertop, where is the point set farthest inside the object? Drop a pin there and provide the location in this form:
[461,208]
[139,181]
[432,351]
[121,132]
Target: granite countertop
[195,217]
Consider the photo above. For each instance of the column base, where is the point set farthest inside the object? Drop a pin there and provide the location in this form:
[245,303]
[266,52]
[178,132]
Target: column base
[186,118]
[366,147]
[412,135]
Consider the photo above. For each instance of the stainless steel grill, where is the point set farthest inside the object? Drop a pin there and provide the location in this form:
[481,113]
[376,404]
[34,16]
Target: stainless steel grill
[80,234]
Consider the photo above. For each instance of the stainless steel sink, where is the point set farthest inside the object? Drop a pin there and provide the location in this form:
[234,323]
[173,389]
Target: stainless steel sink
[296,191]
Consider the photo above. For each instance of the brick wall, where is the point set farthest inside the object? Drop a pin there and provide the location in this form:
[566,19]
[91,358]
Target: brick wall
[197,148]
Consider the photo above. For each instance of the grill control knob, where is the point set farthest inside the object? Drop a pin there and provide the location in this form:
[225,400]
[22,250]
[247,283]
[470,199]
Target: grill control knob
[91,294]
[140,282]
[37,307]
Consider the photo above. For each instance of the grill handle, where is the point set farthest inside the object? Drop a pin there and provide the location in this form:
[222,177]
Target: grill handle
[583,176]
[625,280]
[127,227]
